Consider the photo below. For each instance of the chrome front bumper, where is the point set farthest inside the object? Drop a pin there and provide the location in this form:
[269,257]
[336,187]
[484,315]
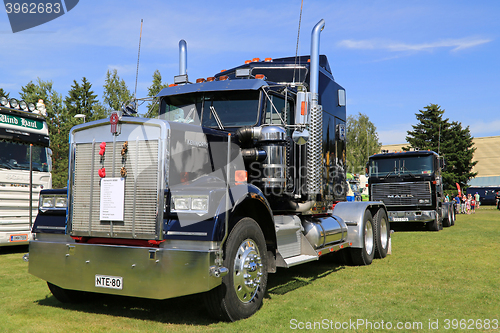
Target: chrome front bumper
[157,273]
[411,216]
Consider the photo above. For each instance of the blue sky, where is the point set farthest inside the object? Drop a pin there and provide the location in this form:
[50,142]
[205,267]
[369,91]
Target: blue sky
[392,57]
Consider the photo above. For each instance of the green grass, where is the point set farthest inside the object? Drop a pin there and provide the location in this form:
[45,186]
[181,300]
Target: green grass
[451,274]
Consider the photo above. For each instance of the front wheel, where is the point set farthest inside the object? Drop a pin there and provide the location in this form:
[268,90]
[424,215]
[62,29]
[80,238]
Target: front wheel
[69,296]
[364,255]
[434,225]
[242,290]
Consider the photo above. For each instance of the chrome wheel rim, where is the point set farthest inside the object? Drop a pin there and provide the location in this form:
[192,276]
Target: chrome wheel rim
[247,271]
[369,237]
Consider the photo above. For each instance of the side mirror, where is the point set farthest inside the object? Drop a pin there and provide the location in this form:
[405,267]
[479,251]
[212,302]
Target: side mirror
[442,164]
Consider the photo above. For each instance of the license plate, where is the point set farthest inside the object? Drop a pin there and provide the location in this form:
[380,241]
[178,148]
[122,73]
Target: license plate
[400,219]
[19,238]
[106,281]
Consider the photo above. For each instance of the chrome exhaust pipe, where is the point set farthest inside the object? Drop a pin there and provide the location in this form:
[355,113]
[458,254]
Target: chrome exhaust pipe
[182,57]
[314,147]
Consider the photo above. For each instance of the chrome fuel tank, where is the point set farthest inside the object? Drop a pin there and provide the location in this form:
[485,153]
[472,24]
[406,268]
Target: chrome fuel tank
[322,231]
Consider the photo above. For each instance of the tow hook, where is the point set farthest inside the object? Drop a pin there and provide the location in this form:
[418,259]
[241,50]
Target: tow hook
[218,271]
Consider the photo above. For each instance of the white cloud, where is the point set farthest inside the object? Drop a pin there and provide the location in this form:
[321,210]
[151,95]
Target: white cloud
[374,44]
[392,137]
[483,128]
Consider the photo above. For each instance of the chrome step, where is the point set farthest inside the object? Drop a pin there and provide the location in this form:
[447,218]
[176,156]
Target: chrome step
[303,258]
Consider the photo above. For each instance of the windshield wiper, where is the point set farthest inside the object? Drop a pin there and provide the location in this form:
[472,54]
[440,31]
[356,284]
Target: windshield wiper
[395,169]
[405,168]
[5,165]
[216,117]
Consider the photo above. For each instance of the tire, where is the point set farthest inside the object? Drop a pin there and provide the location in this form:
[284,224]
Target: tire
[382,233]
[453,215]
[242,290]
[434,225]
[447,219]
[364,256]
[69,296]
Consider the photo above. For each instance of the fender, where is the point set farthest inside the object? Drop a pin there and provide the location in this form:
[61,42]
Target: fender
[246,200]
[353,215]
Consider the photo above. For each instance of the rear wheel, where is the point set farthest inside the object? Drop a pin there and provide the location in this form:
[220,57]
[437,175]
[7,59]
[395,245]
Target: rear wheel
[382,233]
[364,255]
[242,290]
[447,219]
[453,215]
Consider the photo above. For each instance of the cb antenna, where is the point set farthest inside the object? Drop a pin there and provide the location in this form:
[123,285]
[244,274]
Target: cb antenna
[137,72]
[297,47]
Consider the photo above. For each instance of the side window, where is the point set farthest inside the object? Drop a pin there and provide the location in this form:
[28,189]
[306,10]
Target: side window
[274,105]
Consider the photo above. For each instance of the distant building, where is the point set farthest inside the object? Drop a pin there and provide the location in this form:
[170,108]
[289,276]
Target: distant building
[487,155]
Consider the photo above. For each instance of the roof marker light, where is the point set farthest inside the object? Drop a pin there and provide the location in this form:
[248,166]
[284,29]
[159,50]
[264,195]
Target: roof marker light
[223,70]
[223,78]
[200,80]
[268,60]
[255,59]
[210,79]
[172,85]
[248,61]
[260,76]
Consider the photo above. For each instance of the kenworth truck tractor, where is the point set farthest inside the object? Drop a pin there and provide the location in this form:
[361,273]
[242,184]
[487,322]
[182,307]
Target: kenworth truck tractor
[241,173]
[411,186]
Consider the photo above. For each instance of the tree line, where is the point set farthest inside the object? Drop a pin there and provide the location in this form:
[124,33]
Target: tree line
[432,132]
[80,99]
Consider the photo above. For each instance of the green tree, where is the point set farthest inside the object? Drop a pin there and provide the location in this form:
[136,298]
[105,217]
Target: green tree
[3,93]
[362,141]
[449,139]
[116,92]
[56,121]
[82,100]
[153,90]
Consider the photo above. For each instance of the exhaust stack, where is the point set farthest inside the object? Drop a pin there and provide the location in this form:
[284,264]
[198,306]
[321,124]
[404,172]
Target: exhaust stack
[182,57]
[314,147]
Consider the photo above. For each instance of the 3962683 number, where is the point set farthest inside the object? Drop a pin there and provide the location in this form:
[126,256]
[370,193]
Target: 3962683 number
[471,324]
[32,8]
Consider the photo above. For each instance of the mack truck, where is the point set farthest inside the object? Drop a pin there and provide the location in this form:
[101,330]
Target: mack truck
[241,173]
[410,184]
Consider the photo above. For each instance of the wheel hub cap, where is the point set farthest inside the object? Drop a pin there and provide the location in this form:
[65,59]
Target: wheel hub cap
[247,271]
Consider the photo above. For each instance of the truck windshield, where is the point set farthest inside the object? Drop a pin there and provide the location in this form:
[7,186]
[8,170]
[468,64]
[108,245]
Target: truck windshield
[16,156]
[234,108]
[409,165]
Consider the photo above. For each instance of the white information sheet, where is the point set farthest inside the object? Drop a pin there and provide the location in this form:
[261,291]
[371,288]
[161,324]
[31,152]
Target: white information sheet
[112,199]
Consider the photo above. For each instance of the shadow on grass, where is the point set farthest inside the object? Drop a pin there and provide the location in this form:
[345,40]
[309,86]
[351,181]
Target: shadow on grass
[191,309]
[290,279]
[11,249]
[181,310]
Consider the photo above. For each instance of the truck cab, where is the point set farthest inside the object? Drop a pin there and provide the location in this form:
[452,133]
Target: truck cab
[411,186]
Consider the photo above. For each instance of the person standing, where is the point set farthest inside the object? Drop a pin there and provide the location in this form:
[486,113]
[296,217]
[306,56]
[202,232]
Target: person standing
[478,198]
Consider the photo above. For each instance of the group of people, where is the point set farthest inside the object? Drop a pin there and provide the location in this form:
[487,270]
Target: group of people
[467,204]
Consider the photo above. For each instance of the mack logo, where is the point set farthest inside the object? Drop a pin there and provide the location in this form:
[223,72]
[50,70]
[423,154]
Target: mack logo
[400,196]
[198,144]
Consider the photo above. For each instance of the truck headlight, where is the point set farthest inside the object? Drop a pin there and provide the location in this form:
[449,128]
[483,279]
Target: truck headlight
[190,203]
[53,201]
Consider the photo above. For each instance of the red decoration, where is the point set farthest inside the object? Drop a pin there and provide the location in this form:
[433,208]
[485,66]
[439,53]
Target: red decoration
[103,148]
[102,173]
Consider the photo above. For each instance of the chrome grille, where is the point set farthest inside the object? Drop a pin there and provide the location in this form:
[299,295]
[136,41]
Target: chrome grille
[401,194]
[141,189]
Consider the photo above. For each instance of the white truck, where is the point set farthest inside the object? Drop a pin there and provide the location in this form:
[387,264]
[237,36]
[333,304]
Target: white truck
[240,174]
[24,169]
